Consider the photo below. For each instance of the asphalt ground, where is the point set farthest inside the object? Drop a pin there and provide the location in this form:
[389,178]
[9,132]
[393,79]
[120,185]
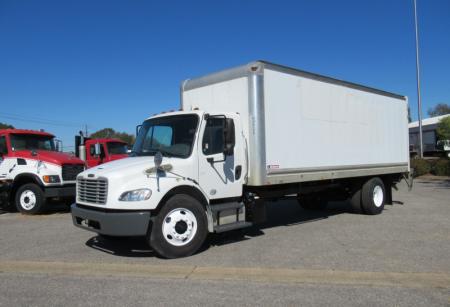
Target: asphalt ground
[331,257]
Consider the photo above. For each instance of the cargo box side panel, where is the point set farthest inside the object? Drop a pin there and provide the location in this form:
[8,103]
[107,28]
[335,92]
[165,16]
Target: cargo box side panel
[330,129]
[228,96]
[222,97]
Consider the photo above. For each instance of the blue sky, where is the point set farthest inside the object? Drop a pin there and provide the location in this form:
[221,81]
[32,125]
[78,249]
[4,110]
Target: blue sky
[64,64]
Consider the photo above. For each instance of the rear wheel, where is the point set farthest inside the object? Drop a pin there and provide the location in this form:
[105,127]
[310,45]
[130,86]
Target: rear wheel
[355,201]
[180,228]
[373,196]
[30,199]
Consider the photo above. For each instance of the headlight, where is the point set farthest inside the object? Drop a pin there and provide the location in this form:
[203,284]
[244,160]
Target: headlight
[136,195]
[51,179]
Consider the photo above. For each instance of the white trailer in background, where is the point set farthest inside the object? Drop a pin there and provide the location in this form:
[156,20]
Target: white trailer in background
[247,134]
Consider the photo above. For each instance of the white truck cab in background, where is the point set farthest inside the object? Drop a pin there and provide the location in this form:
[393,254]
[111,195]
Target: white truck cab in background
[255,132]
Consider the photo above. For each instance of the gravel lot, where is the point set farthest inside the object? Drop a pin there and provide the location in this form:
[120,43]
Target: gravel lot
[401,257]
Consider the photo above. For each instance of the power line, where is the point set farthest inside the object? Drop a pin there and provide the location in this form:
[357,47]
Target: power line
[37,119]
[40,120]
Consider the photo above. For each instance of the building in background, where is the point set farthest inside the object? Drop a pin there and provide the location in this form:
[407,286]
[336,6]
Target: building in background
[430,141]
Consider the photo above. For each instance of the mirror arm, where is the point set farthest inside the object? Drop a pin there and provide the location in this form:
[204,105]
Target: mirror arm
[212,161]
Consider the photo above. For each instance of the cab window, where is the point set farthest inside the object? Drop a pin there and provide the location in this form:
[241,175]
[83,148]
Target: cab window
[3,148]
[213,137]
[160,138]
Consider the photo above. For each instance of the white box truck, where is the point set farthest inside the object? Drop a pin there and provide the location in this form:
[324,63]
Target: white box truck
[244,135]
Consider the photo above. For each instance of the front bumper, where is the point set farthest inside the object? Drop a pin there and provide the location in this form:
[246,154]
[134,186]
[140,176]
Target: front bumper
[64,191]
[113,223]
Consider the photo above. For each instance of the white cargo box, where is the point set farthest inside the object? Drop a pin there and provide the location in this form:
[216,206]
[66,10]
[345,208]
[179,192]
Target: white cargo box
[301,126]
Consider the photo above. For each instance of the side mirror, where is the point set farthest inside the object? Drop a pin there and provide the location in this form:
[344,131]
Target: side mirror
[158,159]
[138,128]
[97,149]
[57,143]
[158,165]
[229,137]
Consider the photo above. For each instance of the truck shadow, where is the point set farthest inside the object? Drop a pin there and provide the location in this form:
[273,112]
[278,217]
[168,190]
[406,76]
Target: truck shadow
[133,247]
[52,207]
[282,213]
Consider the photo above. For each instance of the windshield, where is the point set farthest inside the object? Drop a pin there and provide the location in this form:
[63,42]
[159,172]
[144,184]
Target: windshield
[171,135]
[116,148]
[32,142]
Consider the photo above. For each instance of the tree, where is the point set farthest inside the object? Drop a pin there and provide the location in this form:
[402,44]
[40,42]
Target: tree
[443,129]
[111,133]
[6,126]
[439,109]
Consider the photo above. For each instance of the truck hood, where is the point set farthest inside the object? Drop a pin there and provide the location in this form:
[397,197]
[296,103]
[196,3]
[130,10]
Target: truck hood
[54,157]
[132,166]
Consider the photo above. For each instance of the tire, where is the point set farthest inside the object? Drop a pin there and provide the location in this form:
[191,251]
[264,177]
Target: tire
[312,202]
[180,228]
[355,201]
[373,196]
[30,199]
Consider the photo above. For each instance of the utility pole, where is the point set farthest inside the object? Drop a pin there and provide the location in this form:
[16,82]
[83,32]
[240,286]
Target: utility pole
[419,101]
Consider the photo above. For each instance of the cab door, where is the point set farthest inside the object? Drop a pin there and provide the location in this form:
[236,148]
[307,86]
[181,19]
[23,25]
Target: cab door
[91,158]
[221,156]
[5,163]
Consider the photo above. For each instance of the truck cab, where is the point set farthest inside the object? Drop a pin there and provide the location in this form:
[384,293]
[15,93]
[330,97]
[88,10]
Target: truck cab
[35,170]
[195,157]
[98,151]
[110,150]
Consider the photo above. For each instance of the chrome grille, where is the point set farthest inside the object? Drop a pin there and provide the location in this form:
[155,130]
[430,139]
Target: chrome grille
[70,171]
[92,190]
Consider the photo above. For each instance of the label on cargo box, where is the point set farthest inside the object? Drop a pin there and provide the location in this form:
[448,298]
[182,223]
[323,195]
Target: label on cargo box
[273,166]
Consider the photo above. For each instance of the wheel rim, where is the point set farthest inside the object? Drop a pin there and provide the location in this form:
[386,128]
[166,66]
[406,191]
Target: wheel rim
[378,196]
[27,200]
[179,227]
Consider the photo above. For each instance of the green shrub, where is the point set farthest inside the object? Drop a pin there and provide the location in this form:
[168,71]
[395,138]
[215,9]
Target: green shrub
[420,166]
[441,168]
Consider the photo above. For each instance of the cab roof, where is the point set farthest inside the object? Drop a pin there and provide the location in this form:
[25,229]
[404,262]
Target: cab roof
[24,131]
[174,113]
[106,140]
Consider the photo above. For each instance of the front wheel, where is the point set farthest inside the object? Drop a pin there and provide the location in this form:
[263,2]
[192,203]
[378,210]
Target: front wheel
[30,199]
[180,228]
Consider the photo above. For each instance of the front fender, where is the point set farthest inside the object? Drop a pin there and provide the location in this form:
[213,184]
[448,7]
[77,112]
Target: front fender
[162,187]
[27,178]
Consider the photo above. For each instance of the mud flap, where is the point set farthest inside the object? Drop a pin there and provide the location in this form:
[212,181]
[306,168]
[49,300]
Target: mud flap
[409,179]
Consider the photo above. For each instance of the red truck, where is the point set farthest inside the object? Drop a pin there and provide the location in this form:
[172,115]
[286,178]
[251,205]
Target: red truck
[98,151]
[32,170]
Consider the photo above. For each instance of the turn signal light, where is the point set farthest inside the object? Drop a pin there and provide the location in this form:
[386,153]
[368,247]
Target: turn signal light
[51,178]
